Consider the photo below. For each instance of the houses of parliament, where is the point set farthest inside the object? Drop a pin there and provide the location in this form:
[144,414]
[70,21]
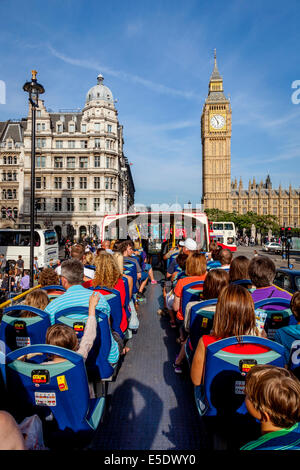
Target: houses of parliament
[219,191]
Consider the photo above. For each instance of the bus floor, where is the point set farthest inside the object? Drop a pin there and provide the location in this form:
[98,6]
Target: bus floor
[150,407]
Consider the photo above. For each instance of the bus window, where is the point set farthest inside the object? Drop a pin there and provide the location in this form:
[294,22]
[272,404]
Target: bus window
[7,239]
[217,226]
[50,237]
[23,238]
[228,226]
[37,240]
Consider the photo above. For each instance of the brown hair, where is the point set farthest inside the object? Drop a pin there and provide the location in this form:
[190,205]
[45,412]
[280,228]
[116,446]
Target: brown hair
[77,251]
[63,336]
[295,305]
[107,271]
[262,271]
[89,258]
[225,256]
[234,313]
[181,260]
[48,277]
[37,298]
[215,254]
[213,245]
[215,281]
[118,257]
[239,268]
[195,264]
[275,391]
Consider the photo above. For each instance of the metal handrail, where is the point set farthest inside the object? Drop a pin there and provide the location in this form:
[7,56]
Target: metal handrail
[17,297]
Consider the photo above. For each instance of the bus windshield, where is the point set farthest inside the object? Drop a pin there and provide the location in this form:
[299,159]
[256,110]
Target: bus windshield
[18,238]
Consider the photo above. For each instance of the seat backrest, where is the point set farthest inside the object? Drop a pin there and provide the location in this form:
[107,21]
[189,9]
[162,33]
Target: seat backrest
[113,298]
[130,269]
[294,361]
[190,292]
[225,372]
[127,298]
[60,388]
[171,258]
[54,287]
[242,282]
[275,319]
[17,332]
[201,320]
[54,291]
[97,363]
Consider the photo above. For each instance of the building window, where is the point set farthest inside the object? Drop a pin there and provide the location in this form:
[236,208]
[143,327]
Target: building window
[109,182]
[97,182]
[70,162]
[71,144]
[97,143]
[59,128]
[38,113]
[83,144]
[72,127]
[82,204]
[295,210]
[40,204]
[97,161]
[97,126]
[274,210]
[38,182]
[96,203]
[109,144]
[109,162]
[57,182]
[109,205]
[58,162]
[57,204]
[285,210]
[265,211]
[59,144]
[40,161]
[83,128]
[40,143]
[70,182]
[83,162]
[109,128]
[83,182]
[244,201]
[70,204]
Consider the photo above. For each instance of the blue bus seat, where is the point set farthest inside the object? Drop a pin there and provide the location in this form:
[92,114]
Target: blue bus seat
[52,291]
[201,321]
[294,361]
[275,318]
[225,375]
[171,258]
[97,364]
[59,388]
[54,287]
[130,270]
[113,298]
[17,332]
[242,282]
[191,292]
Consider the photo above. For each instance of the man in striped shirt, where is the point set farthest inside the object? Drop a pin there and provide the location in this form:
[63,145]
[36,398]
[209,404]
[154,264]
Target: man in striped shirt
[78,296]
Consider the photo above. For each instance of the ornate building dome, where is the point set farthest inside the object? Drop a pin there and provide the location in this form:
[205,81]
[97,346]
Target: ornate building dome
[99,92]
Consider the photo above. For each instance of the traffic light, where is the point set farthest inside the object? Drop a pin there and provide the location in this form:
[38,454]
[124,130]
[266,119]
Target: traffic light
[289,232]
[282,233]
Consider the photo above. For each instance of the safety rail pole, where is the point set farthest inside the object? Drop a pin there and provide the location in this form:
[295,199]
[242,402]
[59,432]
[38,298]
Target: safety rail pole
[17,297]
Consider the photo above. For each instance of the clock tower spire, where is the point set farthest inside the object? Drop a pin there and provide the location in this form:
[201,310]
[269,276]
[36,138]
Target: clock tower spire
[216,140]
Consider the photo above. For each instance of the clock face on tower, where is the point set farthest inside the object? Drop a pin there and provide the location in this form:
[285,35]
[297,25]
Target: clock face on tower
[217,121]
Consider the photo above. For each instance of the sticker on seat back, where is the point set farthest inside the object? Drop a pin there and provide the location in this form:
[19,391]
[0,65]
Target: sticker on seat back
[22,341]
[45,399]
[239,387]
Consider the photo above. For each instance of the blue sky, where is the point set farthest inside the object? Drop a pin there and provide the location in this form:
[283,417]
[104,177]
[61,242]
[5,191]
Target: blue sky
[157,58]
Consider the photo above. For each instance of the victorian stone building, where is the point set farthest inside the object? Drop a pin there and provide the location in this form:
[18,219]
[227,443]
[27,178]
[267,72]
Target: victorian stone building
[218,191]
[81,171]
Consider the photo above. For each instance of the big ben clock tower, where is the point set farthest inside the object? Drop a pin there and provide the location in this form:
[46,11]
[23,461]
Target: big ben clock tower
[216,135]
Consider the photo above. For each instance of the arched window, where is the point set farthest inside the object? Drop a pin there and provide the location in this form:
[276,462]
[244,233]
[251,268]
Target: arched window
[3,213]
[15,211]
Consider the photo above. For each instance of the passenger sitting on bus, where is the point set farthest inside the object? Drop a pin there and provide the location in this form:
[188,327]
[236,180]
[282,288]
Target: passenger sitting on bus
[147,271]
[78,252]
[126,248]
[234,316]
[106,246]
[288,334]
[89,259]
[262,272]
[214,261]
[273,398]
[214,283]
[173,251]
[239,269]
[213,245]
[107,274]
[120,262]
[225,259]
[196,271]
[37,298]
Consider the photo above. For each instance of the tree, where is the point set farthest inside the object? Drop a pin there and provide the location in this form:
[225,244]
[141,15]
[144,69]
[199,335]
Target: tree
[263,223]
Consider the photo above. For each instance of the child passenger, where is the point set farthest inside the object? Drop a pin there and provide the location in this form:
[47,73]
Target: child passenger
[273,398]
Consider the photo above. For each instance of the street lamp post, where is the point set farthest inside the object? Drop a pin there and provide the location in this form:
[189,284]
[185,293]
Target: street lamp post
[34,89]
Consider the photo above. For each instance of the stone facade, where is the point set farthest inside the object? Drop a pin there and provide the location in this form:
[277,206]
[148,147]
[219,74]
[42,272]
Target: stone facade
[218,191]
[81,172]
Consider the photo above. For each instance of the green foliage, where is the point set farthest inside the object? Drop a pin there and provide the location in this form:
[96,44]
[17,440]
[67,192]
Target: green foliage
[262,222]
